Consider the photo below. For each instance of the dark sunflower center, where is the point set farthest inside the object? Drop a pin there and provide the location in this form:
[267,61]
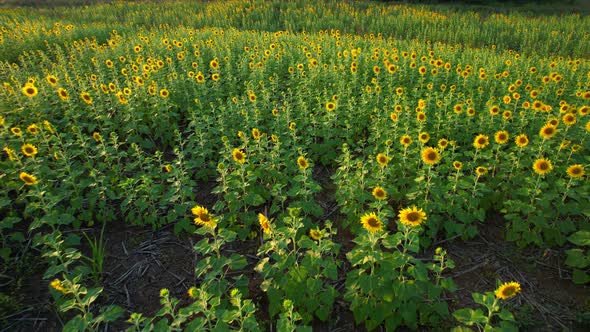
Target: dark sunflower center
[373,222]
[508,291]
[413,217]
[30,91]
[576,171]
[502,137]
[205,217]
[543,166]
[431,155]
[481,141]
[29,150]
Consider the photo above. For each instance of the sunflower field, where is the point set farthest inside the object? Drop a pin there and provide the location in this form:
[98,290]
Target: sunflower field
[293,166]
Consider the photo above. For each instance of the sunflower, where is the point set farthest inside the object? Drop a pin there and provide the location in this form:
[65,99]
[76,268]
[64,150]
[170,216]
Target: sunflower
[430,156]
[264,223]
[204,218]
[371,223]
[542,166]
[547,131]
[501,137]
[192,292]
[33,129]
[507,290]
[393,116]
[405,140]
[315,234]
[481,171]
[569,119]
[379,193]
[423,138]
[28,179]
[216,77]
[200,78]
[58,286]
[494,110]
[16,131]
[86,97]
[330,106]
[412,216]
[97,137]
[10,153]
[457,165]
[481,141]
[29,150]
[421,116]
[239,156]
[443,143]
[382,159]
[256,133]
[575,171]
[51,80]
[30,90]
[164,93]
[167,168]
[302,163]
[521,140]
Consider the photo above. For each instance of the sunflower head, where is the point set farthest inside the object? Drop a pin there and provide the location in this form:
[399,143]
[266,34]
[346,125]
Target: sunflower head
[315,234]
[501,137]
[302,163]
[481,171]
[371,223]
[412,216]
[28,179]
[256,133]
[330,106]
[481,141]
[379,193]
[30,90]
[457,165]
[575,171]
[547,131]
[542,166]
[29,150]
[58,286]
[521,140]
[264,223]
[507,290]
[405,140]
[443,143]
[382,159]
[203,217]
[239,156]
[430,156]
[423,137]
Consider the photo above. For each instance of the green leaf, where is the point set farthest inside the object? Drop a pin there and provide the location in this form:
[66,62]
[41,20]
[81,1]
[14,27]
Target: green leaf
[76,324]
[110,313]
[580,238]
[254,199]
[577,258]
[469,317]
[580,277]
[506,315]
[92,295]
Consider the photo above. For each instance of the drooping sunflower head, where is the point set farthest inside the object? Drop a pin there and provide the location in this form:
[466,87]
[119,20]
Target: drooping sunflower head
[379,193]
[28,179]
[576,171]
[315,234]
[264,223]
[302,163]
[382,159]
[481,171]
[501,137]
[507,290]
[521,140]
[405,140]
[481,141]
[192,292]
[371,223]
[547,131]
[542,166]
[58,286]
[412,216]
[29,150]
[239,156]
[430,156]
